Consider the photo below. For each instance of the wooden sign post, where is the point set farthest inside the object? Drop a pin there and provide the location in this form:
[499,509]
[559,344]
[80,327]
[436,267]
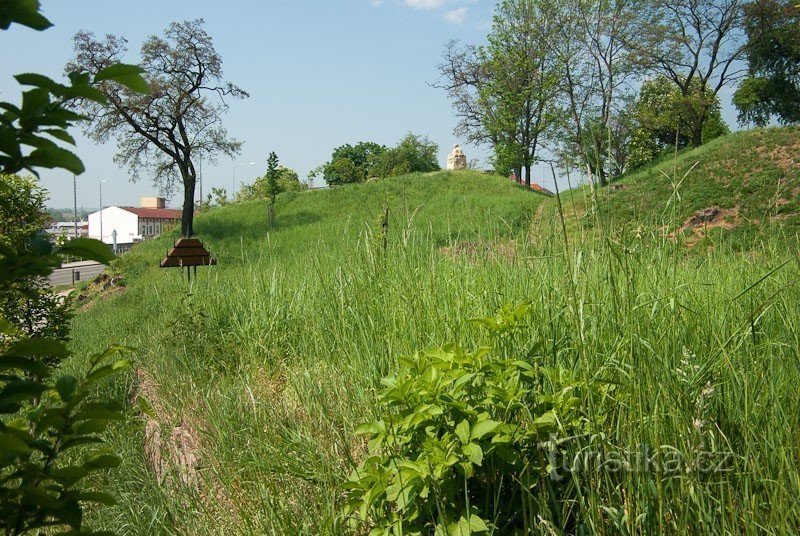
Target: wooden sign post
[188,252]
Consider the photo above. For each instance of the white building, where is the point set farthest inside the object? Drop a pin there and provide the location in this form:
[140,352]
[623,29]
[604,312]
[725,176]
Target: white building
[132,224]
[67,229]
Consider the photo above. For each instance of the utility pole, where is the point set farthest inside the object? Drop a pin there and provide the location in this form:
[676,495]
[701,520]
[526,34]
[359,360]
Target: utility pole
[200,178]
[75,203]
[101,210]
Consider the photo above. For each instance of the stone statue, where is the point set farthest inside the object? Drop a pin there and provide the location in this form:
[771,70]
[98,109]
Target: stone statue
[457,159]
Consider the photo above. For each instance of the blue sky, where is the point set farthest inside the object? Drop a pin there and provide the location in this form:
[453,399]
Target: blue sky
[319,74]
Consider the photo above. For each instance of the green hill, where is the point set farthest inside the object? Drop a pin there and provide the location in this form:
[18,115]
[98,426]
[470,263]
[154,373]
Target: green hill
[253,377]
[739,188]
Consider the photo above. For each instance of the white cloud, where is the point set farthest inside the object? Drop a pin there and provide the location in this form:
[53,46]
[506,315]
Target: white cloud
[457,16]
[426,5]
[443,8]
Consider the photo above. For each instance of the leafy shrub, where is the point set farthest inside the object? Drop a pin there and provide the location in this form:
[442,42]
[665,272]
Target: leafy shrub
[465,442]
[287,181]
[42,418]
[28,303]
[414,154]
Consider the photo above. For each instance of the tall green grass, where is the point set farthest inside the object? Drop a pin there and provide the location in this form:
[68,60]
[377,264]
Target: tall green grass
[275,356]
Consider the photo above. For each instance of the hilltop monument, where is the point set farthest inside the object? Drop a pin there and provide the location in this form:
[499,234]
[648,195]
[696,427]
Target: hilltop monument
[457,159]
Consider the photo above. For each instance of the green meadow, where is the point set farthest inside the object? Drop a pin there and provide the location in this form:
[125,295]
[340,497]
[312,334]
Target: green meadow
[253,376]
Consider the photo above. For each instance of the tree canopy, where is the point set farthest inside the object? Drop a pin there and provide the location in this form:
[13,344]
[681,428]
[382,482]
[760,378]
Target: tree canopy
[772,87]
[178,121]
[663,118]
[414,154]
[356,163]
[352,163]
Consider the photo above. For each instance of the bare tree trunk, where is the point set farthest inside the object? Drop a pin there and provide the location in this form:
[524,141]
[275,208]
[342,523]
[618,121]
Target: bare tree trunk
[271,214]
[528,175]
[600,171]
[187,216]
[697,130]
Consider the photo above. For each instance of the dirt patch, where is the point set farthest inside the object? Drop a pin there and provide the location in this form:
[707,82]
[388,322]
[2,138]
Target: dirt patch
[698,224]
[473,250]
[102,287]
[786,157]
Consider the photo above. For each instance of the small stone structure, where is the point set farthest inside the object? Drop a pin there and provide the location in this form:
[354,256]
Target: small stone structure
[457,159]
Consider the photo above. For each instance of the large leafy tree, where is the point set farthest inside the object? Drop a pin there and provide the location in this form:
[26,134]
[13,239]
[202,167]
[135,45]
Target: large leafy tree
[698,45]
[178,121]
[352,163]
[414,154]
[663,117]
[772,87]
[596,67]
[503,92]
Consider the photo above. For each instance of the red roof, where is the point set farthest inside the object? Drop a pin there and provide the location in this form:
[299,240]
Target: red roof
[155,213]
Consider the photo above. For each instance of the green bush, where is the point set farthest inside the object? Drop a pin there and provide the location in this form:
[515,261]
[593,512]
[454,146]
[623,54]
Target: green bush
[467,442]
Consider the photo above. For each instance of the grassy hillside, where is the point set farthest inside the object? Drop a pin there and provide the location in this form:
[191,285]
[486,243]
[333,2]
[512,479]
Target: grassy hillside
[258,372]
[751,179]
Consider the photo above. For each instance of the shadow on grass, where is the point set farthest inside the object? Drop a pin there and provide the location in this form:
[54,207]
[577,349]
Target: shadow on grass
[251,225]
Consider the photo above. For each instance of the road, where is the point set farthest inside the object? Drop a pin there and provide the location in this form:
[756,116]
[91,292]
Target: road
[83,270]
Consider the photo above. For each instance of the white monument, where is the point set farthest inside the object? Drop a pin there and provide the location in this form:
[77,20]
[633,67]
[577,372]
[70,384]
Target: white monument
[457,159]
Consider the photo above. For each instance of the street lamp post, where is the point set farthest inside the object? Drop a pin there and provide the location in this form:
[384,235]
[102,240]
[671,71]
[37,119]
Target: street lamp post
[233,191]
[101,209]
[75,203]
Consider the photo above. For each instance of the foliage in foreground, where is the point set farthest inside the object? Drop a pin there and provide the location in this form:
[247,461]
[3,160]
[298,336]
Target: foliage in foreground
[467,441]
[46,418]
[45,421]
[28,303]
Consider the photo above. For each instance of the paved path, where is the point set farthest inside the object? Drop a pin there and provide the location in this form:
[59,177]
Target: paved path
[83,270]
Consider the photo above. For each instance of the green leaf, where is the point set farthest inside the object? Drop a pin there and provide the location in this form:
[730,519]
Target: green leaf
[107,461]
[66,386]
[38,348]
[93,426]
[40,81]
[87,248]
[546,420]
[60,134]
[367,429]
[129,76]
[55,157]
[27,365]
[477,524]
[85,91]
[482,428]
[462,431]
[79,442]
[12,444]
[107,370]
[24,12]
[68,476]
[474,452]
[34,102]
[20,391]
[110,411]
[97,497]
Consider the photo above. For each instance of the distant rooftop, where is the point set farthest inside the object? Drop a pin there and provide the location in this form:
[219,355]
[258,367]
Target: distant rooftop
[155,213]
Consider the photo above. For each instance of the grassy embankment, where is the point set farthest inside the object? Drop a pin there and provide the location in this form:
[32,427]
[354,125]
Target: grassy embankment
[274,358]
